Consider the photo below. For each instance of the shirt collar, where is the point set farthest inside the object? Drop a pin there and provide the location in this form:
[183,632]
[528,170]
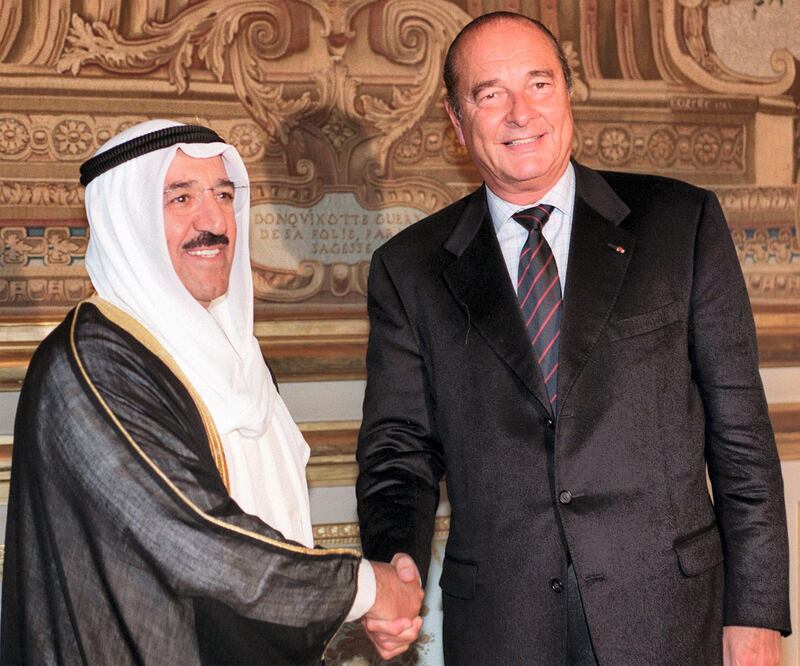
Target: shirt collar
[561,196]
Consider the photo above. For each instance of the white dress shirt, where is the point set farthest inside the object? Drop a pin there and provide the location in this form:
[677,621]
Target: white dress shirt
[557,231]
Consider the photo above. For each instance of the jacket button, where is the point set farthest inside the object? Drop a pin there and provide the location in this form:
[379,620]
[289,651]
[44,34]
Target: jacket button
[547,422]
[556,585]
[565,497]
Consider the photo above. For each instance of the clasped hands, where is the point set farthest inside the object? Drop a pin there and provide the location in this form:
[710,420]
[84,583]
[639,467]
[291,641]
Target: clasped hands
[393,622]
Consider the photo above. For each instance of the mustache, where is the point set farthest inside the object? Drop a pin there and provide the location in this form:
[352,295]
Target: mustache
[206,239]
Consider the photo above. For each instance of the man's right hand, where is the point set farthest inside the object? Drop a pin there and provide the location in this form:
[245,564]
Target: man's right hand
[393,622]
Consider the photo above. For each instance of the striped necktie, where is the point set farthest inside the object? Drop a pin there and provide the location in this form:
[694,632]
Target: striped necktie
[539,295]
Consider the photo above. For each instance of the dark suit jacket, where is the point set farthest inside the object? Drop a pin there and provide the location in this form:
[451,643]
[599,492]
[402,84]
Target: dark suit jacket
[658,376]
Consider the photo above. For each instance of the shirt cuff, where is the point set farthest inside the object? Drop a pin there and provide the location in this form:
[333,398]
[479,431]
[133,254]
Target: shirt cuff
[365,595]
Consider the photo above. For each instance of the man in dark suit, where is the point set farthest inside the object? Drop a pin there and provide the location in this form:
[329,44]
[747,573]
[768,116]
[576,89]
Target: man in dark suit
[575,438]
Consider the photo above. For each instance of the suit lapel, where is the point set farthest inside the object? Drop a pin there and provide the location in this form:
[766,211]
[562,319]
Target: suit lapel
[479,280]
[599,254]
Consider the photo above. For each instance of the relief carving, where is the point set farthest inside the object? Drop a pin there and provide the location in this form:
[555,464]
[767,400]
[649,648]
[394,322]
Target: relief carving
[772,287]
[352,126]
[73,139]
[753,205]
[210,32]
[288,286]
[69,137]
[414,34]
[63,247]
[682,147]
[18,247]
[51,245]
[55,292]
[580,90]
[766,246]
[335,106]
[685,43]
[233,40]
[14,138]
[14,193]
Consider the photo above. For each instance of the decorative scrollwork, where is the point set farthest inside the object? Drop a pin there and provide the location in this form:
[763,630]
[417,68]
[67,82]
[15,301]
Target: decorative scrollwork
[346,279]
[73,139]
[680,145]
[421,26]
[766,286]
[338,129]
[685,40]
[337,17]
[311,278]
[248,139]
[424,194]
[18,247]
[63,247]
[410,149]
[57,245]
[580,91]
[288,286]
[32,291]
[661,146]
[615,145]
[772,246]
[14,137]
[205,31]
[15,193]
[232,39]
[761,205]
[305,187]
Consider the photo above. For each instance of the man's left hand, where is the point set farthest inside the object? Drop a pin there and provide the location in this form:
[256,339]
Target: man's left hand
[750,646]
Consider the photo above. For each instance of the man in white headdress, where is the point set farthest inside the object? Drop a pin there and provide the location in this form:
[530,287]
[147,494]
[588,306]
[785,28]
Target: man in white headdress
[159,511]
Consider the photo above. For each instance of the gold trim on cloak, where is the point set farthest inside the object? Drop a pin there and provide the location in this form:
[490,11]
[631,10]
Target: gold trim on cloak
[149,342]
[142,335]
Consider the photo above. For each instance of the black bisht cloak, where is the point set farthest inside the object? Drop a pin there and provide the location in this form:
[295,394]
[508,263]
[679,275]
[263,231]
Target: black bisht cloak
[123,544]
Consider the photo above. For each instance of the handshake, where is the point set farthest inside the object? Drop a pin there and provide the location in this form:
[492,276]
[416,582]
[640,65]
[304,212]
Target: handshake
[393,622]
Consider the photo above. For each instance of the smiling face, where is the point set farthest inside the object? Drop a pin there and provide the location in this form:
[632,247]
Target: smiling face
[516,118]
[200,224]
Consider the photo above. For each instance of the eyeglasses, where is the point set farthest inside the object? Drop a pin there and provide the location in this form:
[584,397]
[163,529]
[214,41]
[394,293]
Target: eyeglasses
[185,198]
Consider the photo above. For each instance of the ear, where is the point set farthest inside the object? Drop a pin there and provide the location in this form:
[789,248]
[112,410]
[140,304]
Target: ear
[456,122]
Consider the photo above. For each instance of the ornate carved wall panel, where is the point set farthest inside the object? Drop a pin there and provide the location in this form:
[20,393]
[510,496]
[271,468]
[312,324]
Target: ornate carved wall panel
[335,105]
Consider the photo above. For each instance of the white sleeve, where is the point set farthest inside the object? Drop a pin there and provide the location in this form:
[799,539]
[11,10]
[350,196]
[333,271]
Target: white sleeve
[365,596]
